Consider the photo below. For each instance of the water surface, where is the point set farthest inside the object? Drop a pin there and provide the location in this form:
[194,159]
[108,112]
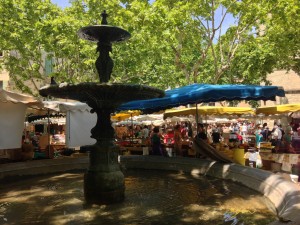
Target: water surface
[151,197]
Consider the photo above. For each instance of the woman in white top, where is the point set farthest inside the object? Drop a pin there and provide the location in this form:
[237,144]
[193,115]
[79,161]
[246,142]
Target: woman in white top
[296,133]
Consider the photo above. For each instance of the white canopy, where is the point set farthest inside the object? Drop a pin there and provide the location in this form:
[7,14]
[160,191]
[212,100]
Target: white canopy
[66,106]
[12,117]
[78,127]
[79,121]
[148,117]
[56,120]
[12,97]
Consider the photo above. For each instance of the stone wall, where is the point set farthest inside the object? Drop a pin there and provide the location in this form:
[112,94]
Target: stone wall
[290,81]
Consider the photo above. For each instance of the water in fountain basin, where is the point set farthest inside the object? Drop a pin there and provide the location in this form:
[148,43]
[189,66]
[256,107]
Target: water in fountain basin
[152,197]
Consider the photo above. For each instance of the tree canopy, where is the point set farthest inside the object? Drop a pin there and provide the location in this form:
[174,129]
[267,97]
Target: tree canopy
[173,42]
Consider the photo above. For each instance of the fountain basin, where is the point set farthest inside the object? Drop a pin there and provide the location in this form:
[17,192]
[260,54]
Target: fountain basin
[152,197]
[285,195]
[102,95]
[103,33]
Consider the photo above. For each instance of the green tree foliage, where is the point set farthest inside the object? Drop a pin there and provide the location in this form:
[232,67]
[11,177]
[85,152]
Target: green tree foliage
[173,42]
[282,31]
[21,33]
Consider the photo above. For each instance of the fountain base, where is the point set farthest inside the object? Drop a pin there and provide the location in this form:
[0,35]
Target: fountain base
[104,180]
[96,190]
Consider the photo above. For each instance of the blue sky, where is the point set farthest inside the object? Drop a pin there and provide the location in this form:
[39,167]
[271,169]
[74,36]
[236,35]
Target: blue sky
[61,3]
[227,22]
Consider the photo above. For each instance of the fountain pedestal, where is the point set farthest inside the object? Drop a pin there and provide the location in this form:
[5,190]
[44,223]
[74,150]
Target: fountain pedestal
[104,181]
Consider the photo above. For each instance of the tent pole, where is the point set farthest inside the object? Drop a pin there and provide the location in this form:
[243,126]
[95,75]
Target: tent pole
[206,124]
[131,127]
[69,128]
[48,131]
[197,121]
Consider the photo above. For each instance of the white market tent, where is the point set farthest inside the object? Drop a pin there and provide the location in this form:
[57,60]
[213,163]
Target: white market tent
[56,120]
[79,122]
[12,116]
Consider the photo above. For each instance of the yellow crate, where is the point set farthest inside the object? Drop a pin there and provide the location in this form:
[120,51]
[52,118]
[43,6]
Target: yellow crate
[265,145]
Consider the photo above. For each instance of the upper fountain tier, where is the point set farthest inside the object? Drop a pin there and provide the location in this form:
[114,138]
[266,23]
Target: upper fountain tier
[103,33]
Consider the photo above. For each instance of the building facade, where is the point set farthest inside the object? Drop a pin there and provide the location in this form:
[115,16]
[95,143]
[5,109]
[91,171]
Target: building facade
[290,81]
[8,84]
[4,76]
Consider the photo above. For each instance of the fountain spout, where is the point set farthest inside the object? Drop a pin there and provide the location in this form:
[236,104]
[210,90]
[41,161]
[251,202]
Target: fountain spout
[104,16]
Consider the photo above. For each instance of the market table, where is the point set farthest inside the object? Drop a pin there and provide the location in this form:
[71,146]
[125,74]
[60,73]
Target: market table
[57,147]
[280,157]
[296,144]
[281,161]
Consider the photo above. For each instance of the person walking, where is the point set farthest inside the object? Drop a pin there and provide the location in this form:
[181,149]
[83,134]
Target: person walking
[145,134]
[177,140]
[156,138]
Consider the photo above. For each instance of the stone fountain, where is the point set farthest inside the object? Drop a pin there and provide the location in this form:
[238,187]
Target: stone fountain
[103,180]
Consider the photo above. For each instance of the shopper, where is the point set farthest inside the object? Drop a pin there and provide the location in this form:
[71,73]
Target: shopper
[156,138]
[178,140]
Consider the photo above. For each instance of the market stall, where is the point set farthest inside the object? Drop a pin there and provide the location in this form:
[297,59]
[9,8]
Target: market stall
[79,122]
[285,111]
[286,158]
[201,93]
[63,126]
[206,111]
[12,117]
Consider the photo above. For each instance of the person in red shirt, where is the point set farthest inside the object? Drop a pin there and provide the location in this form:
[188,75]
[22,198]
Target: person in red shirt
[177,140]
[169,137]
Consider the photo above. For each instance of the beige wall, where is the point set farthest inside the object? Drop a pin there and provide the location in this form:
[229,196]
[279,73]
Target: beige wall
[33,84]
[5,78]
[38,83]
[290,81]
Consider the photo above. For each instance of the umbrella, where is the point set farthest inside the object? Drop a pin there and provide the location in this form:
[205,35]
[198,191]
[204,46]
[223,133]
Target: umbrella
[278,109]
[125,115]
[148,117]
[128,122]
[197,93]
[176,119]
[210,110]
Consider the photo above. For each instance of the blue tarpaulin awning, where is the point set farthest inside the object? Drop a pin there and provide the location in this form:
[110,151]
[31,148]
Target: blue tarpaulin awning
[199,93]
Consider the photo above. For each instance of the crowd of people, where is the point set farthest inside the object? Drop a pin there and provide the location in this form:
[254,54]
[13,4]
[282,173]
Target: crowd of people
[211,133]
[159,136]
[279,137]
[180,136]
